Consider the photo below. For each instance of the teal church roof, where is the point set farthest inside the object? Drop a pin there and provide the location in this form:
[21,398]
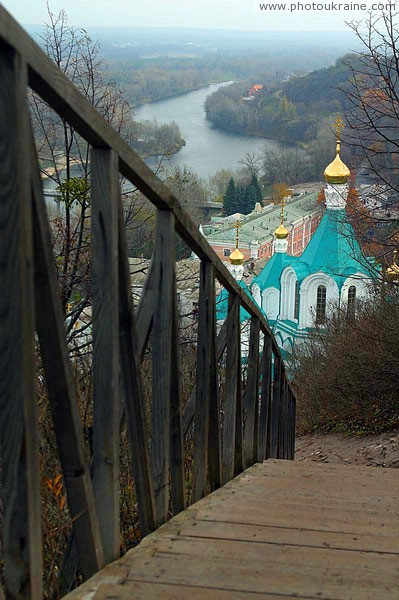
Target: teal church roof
[222,303]
[270,274]
[333,250]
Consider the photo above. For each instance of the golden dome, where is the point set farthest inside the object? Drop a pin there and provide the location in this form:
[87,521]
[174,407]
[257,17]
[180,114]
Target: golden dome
[236,257]
[337,171]
[281,232]
[392,272]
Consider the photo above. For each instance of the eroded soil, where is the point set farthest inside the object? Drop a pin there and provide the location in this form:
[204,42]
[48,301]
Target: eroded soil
[374,450]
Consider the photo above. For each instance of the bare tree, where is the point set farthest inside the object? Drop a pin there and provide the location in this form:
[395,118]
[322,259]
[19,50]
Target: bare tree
[64,156]
[373,117]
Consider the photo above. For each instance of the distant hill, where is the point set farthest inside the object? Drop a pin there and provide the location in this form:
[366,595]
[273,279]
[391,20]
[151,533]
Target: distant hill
[289,110]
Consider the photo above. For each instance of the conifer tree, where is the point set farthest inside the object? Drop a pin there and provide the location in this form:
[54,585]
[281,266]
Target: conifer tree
[258,188]
[249,200]
[230,199]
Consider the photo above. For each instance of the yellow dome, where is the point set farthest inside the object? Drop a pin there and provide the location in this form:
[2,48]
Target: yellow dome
[392,272]
[236,257]
[281,232]
[337,171]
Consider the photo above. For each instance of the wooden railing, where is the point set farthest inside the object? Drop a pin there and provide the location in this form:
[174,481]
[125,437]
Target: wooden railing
[248,428]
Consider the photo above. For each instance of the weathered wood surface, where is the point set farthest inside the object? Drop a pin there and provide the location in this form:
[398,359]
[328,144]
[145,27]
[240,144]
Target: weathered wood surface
[336,536]
[21,536]
[104,233]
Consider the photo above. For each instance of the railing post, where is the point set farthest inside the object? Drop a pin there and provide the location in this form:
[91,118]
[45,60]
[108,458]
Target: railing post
[163,351]
[21,539]
[232,408]
[282,419]
[104,214]
[293,426]
[265,401]
[134,392]
[275,407]
[252,396]
[206,434]
[61,388]
[176,452]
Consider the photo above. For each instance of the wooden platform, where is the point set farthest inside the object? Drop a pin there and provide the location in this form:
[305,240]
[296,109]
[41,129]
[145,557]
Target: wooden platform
[282,529]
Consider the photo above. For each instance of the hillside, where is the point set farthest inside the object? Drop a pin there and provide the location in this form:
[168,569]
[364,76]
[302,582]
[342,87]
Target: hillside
[290,111]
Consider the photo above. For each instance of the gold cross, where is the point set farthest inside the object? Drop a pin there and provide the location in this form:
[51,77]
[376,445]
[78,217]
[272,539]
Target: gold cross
[237,228]
[339,125]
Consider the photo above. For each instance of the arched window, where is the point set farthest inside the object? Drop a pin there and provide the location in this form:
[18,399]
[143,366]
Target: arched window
[296,301]
[351,301]
[321,304]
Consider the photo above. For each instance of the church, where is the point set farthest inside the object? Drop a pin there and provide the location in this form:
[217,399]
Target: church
[298,293]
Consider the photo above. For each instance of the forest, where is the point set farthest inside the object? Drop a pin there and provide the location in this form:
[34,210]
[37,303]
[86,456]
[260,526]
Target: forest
[290,110]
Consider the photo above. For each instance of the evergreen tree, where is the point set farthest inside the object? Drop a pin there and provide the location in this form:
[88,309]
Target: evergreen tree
[241,198]
[230,199]
[255,183]
[249,200]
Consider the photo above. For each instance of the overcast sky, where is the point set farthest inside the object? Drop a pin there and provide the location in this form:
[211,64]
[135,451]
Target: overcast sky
[225,14]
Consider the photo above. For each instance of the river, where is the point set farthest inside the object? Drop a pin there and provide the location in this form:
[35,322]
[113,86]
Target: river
[207,149]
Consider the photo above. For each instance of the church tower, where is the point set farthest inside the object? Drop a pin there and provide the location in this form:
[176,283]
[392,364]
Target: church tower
[337,176]
[280,243]
[236,258]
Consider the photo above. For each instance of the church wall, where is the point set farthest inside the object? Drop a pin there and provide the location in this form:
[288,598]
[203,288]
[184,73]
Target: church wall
[308,297]
[361,283]
[271,303]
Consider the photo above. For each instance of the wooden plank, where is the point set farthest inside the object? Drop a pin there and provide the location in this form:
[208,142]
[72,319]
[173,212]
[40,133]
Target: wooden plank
[277,577]
[104,235]
[61,389]
[52,85]
[265,401]
[311,548]
[189,411]
[141,590]
[293,399]
[133,388]
[252,396]
[145,312]
[21,536]
[275,407]
[177,480]
[216,349]
[206,383]
[293,536]
[286,514]
[264,553]
[282,419]
[164,278]
[232,387]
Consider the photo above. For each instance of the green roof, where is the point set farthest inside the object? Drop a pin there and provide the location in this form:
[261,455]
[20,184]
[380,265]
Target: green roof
[270,274]
[261,226]
[333,249]
[222,303]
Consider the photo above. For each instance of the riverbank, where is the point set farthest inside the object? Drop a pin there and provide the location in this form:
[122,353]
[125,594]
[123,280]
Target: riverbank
[258,134]
[169,152]
[178,95]
[207,149]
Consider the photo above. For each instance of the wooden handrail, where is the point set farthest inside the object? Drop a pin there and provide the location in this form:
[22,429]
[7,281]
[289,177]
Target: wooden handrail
[55,88]
[231,430]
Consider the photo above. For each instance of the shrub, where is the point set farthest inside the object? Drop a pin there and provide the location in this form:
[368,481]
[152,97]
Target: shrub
[346,375]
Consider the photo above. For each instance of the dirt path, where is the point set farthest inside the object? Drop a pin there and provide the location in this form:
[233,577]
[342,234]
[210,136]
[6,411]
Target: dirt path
[373,450]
